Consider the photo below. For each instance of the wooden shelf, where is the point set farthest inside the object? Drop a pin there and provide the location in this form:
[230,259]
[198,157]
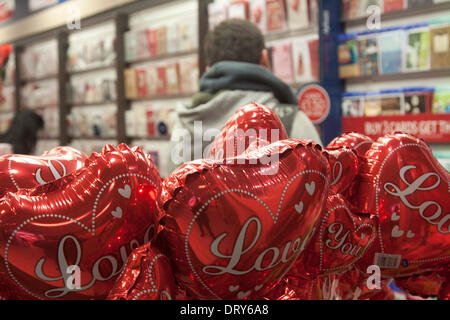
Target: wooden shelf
[278,35]
[41,106]
[89,70]
[90,104]
[163,97]
[163,57]
[48,138]
[157,138]
[93,138]
[6,111]
[405,13]
[445,72]
[43,78]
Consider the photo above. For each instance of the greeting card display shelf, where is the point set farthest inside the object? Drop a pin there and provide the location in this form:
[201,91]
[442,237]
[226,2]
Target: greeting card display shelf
[93,138]
[285,34]
[89,70]
[399,14]
[173,55]
[43,78]
[157,138]
[90,104]
[163,97]
[444,72]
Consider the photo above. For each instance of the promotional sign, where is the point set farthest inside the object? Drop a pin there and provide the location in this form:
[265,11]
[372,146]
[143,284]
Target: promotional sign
[314,101]
[429,127]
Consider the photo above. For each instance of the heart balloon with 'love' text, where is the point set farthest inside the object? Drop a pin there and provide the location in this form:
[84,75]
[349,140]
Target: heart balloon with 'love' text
[24,172]
[233,230]
[408,191]
[70,238]
[146,276]
[344,165]
[342,238]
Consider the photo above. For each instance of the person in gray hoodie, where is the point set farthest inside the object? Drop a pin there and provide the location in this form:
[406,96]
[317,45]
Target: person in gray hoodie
[238,73]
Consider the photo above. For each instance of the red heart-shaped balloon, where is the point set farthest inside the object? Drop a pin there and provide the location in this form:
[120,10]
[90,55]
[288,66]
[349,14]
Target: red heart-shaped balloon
[444,293]
[24,172]
[344,166]
[233,230]
[320,288]
[424,285]
[146,276]
[405,187]
[353,284]
[252,126]
[70,238]
[342,237]
[356,141]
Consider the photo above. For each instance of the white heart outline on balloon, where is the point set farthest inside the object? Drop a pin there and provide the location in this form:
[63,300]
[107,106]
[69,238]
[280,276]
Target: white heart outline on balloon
[274,218]
[50,215]
[377,199]
[324,220]
[150,275]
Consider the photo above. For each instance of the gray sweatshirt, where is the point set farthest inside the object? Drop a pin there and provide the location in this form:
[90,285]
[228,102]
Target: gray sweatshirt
[215,113]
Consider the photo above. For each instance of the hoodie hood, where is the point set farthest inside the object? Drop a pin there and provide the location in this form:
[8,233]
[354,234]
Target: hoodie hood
[232,75]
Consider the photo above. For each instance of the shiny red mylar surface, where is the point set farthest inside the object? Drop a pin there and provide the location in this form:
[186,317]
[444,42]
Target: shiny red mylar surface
[353,284]
[424,285]
[344,167]
[406,188]
[252,125]
[349,284]
[342,237]
[444,293]
[233,230]
[320,288]
[91,219]
[23,172]
[356,141]
[146,276]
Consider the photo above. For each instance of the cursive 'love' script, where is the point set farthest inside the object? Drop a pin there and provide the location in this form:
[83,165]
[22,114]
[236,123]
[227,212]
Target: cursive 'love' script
[288,252]
[435,217]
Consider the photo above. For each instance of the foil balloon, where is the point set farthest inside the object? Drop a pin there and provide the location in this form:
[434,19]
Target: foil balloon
[320,288]
[344,166]
[423,285]
[5,292]
[353,284]
[146,276]
[444,293]
[406,188]
[282,291]
[232,231]
[70,238]
[355,141]
[251,126]
[23,172]
[342,237]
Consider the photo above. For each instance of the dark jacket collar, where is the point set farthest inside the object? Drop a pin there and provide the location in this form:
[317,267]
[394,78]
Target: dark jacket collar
[233,75]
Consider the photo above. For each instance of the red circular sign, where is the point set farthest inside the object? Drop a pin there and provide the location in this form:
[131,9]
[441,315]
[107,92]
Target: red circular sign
[314,101]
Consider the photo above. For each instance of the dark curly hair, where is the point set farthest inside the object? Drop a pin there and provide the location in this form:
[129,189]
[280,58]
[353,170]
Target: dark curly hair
[22,132]
[234,40]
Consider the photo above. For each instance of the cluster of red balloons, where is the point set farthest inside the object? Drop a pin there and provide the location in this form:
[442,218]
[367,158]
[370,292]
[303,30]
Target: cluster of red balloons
[261,217]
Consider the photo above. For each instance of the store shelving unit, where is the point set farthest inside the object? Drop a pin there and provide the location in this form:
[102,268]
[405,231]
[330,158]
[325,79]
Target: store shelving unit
[119,17]
[399,14]
[429,77]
